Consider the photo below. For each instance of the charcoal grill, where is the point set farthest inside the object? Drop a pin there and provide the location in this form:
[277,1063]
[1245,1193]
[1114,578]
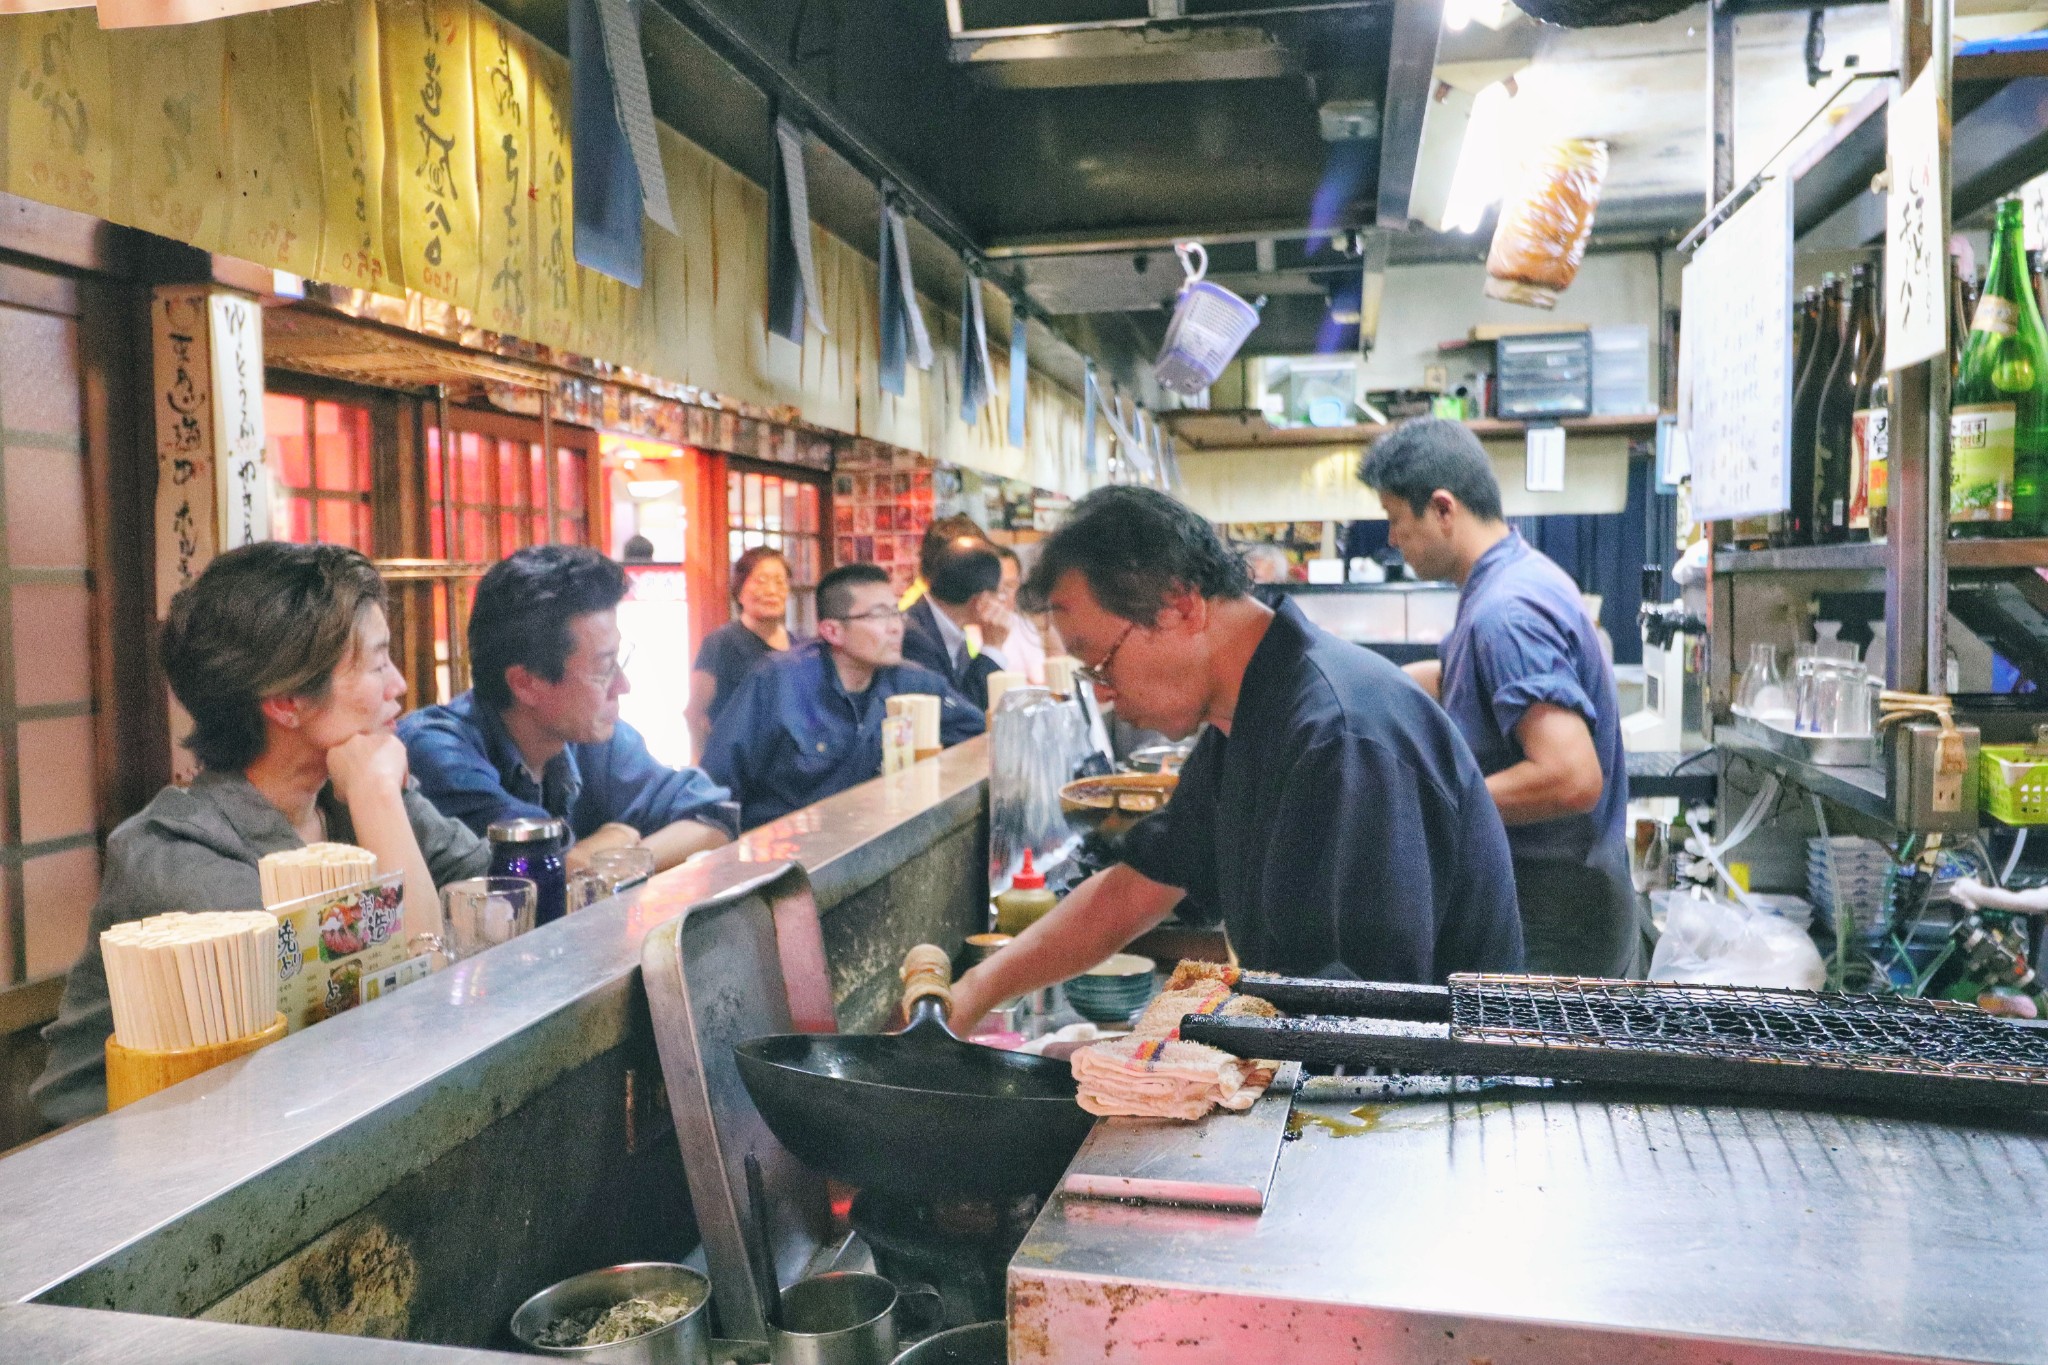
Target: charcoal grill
[1918,1054]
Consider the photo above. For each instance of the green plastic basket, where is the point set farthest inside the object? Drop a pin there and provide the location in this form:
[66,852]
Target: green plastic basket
[2013,784]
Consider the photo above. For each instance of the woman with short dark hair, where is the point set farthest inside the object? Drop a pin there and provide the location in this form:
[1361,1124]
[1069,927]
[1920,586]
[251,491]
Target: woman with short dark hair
[281,654]
[760,588]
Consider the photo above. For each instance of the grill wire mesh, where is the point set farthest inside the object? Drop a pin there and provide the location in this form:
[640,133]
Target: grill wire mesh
[1891,1034]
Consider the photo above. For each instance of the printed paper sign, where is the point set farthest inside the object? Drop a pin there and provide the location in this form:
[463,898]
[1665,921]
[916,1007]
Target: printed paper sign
[1915,248]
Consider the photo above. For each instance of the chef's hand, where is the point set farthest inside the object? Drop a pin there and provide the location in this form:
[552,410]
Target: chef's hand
[971,1001]
[368,767]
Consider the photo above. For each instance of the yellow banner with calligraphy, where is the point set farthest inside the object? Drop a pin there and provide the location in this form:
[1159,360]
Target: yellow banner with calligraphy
[170,157]
[277,203]
[347,91]
[500,56]
[430,111]
[554,305]
[60,115]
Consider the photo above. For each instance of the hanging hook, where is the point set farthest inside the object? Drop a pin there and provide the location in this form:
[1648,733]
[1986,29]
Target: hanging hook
[1195,271]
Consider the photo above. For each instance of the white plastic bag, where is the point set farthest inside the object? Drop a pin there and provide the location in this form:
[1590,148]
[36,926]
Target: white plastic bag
[1710,941]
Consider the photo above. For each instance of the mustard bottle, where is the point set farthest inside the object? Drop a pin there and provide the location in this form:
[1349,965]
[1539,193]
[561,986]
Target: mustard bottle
[1026,902]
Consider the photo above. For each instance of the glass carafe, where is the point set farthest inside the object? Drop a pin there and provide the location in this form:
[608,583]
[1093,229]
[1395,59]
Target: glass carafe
[1762,691]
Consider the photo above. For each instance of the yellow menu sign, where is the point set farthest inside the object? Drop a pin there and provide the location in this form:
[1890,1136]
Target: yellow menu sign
[348,116]
[171,158]
[430,107]
[554,305]
[60,112]
[275,199]
[504,138]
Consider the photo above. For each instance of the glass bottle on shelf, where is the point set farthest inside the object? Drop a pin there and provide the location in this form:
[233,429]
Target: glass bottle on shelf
[1872,437]
[1797,526]
[1762,693]
[1998,425]
[1834,473]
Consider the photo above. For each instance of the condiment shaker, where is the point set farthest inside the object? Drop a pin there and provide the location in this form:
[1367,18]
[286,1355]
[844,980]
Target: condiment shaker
[533,848]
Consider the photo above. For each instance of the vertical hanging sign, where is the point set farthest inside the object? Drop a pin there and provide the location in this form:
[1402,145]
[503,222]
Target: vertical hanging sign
[277,202]
[555,300]
[895,327]
[1019,372]
[172,161]
[432,118]
[241,484]
[504,137]
[1915,250]
[182,366]
[60,127]
[348,118]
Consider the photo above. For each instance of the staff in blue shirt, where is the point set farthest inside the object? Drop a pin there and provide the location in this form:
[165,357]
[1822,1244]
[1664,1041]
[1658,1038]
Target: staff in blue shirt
[1523,675]
[808,724]
[1330,809]
[540,733]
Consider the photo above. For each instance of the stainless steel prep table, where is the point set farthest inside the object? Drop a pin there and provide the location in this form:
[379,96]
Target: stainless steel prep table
[171,1205]
[1518,1225]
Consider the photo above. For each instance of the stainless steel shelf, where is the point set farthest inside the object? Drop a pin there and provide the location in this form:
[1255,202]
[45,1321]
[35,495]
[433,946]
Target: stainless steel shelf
[2027,553]
[1862,790]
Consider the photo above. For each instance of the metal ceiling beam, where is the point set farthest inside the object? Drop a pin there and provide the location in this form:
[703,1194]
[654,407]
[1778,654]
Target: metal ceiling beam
[1411,77]
[1154,238]
[957,26]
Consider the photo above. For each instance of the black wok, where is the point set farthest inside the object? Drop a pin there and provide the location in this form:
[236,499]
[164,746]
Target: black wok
[919,1113]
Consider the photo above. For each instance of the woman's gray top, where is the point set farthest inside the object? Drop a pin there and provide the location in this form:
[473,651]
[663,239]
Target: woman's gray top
[196,848]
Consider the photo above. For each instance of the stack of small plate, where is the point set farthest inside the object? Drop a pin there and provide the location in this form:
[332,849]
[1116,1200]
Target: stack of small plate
[1857,877]
[1113,990]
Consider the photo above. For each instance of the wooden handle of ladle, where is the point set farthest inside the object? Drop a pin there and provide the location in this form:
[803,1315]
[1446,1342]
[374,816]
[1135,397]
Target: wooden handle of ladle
[927,974]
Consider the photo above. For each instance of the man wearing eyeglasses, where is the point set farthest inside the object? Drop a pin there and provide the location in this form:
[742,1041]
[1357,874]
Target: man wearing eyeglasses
[1331,809]
[540,734]
[807,723]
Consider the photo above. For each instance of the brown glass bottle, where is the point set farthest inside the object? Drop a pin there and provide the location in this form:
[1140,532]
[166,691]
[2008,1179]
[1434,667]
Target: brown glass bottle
[1797,527]
[1834,446]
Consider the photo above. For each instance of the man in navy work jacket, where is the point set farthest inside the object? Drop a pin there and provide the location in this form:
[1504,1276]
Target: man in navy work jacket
[963,584]
[1331,809]
[540,733]
[1523,675]
[807,723]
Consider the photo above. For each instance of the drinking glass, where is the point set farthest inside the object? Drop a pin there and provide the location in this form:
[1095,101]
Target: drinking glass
[608,873]
[1762,692]
[483,912]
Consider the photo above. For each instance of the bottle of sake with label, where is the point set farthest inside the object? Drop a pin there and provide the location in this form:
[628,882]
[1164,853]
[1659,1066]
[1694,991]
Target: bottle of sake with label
[1998,424]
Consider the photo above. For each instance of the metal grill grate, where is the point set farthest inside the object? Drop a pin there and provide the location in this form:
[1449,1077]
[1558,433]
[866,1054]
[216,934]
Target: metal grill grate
[1801,1028]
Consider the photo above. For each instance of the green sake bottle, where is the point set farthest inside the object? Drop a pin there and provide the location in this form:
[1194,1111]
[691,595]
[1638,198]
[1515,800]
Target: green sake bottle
[1998,424]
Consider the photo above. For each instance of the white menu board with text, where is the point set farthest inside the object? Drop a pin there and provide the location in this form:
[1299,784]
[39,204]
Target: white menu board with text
[1735,366]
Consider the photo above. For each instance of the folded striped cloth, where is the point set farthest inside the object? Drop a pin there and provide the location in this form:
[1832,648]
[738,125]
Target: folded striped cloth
[1152,1072]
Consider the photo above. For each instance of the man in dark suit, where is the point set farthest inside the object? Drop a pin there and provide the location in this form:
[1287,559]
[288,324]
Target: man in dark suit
[957,628]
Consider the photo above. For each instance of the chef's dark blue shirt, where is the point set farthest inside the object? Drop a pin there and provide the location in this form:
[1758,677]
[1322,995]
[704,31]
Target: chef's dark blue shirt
[1342,825]
[1523,636]
[794,735]
[468,766]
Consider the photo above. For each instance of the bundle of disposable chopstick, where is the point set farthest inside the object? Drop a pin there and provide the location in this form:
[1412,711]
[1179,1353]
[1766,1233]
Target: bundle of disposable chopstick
[189,980]
[1151,1072]
[300,872]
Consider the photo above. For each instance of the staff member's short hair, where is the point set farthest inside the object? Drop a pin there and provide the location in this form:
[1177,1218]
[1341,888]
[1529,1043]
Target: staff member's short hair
[835,589]
[1427,453]
[963,568]
[266,620]
[523,609]
[1136,547]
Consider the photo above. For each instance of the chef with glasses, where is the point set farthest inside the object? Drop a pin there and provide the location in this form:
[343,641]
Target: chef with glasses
[807,724]
[1331,809]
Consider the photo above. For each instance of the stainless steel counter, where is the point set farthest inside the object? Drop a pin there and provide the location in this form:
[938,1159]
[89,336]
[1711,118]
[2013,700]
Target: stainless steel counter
[1517,1225]
[174,1204]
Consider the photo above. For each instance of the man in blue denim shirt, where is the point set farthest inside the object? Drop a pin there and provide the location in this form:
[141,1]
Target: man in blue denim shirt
[1524,678]
[807,723]
[540,734]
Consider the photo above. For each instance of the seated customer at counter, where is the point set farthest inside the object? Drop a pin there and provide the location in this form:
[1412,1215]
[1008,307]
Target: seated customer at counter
[808,724]
[1331,809]
[1523,675]
[539,734]
[282,656]
[963,587]
[760,588]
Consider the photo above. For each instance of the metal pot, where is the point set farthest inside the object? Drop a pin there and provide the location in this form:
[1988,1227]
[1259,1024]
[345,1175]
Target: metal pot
[978,1343]
[686,1341]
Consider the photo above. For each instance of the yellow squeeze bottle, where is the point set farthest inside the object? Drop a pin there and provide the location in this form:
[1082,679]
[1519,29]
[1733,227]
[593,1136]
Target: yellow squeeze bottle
[1026,902]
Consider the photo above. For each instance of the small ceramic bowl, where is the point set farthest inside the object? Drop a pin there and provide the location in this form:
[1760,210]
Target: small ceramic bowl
[1113,990]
